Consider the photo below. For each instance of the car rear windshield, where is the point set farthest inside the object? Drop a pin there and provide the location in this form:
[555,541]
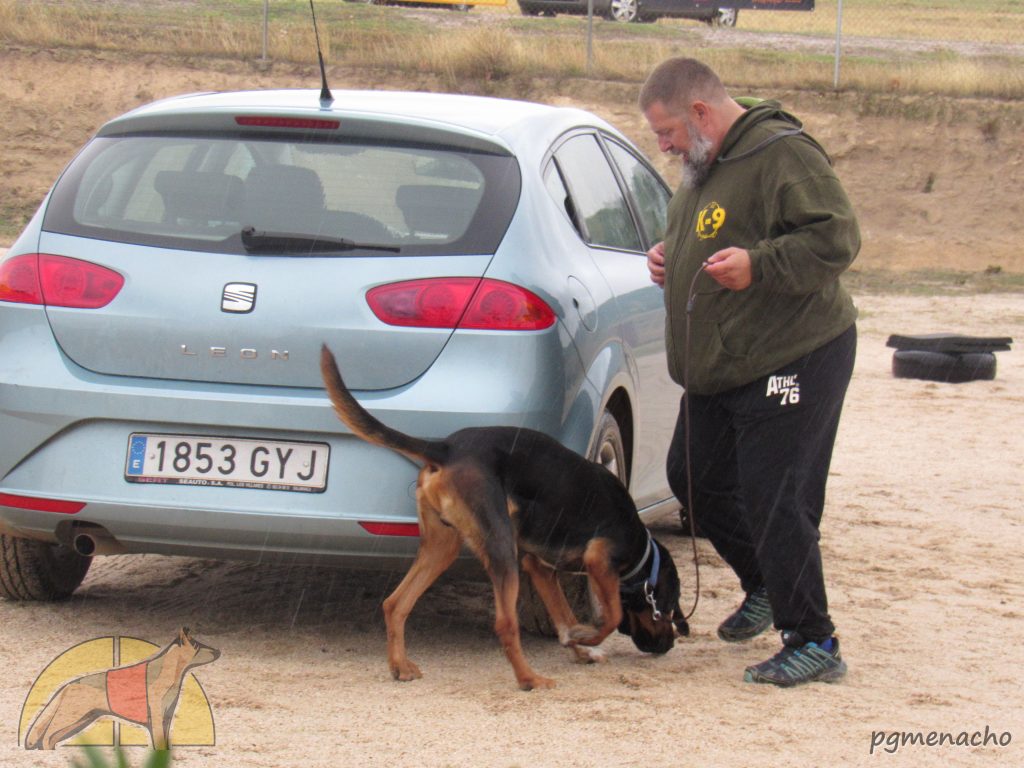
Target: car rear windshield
[202,192]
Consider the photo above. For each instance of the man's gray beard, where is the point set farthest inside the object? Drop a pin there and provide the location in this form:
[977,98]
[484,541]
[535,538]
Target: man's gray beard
[697,164]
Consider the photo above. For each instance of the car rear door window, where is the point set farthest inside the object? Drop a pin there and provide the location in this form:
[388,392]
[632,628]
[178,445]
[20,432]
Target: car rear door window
[649,194]
[601,210]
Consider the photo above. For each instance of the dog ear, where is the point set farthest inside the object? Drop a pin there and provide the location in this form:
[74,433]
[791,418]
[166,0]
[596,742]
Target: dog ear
[682,626]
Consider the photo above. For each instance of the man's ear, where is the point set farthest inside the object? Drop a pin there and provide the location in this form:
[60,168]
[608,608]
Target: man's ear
[701,114]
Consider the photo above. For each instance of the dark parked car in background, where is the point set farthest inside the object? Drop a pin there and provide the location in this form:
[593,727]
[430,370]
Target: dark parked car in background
[636,10]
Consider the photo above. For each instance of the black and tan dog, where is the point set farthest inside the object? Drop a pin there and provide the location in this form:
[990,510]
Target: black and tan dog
[511,494]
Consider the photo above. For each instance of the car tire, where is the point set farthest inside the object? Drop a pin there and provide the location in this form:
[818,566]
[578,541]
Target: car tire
[724,17]
[951,368]
[37,570]
[626,11]
[609,451]
[528,9]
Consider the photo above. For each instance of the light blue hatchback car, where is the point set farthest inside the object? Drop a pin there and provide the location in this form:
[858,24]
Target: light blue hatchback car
[470,261]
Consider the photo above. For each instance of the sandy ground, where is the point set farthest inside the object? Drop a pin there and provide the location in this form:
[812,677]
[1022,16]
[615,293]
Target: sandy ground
[921,536]
[922,539]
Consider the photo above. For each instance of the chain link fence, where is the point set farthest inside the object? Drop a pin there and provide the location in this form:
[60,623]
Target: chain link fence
[984,22]
[952,47]
[955,47]
[903,33]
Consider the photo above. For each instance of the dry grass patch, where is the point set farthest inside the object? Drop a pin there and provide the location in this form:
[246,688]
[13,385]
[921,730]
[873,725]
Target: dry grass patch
[492,45]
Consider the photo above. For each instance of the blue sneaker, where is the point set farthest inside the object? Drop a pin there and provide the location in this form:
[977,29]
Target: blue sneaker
[799,662]
[752,618]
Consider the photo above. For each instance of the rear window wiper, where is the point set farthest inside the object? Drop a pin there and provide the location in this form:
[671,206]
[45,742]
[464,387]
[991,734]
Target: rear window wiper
[258,241]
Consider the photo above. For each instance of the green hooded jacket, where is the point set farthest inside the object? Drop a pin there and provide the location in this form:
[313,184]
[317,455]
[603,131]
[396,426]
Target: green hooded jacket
[772,191]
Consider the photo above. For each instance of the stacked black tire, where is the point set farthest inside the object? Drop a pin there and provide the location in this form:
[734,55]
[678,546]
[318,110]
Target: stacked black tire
[946,357]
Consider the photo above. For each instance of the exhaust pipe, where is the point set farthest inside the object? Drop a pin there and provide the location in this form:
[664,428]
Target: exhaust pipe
[95,541]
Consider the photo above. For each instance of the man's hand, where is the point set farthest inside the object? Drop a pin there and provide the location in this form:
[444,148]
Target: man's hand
[730,267]
[656,264]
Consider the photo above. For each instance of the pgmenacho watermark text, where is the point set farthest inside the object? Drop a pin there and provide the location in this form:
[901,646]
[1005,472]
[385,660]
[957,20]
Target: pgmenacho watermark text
[893,741]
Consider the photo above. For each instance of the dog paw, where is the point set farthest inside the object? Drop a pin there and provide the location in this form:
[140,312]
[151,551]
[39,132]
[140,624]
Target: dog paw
[405,671]
[586,655]
[536,682]
[584,634]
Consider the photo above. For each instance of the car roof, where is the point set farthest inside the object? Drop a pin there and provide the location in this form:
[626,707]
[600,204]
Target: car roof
[472,122]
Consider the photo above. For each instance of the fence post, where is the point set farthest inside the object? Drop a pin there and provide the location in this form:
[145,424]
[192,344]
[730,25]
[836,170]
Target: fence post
[266,13]
[590,38]
[839,43]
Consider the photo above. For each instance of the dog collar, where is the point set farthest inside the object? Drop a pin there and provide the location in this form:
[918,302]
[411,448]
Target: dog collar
[647,585]
[652,579]
[655,565]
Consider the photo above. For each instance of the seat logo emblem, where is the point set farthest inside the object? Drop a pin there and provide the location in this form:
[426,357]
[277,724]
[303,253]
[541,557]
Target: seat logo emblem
[238,298]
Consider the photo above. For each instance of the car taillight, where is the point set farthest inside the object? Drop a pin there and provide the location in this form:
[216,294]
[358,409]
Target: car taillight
[57,281]
[460,302]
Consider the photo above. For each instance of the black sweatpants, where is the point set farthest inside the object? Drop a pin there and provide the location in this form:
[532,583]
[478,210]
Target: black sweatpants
[760,460]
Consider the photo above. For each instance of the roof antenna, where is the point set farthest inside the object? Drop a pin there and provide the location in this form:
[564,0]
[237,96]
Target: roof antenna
[326,97]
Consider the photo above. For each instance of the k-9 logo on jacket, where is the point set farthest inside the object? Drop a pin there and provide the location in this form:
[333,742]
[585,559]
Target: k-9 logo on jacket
[710,220]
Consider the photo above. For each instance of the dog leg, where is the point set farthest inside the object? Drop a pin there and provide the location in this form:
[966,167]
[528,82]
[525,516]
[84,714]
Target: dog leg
[475,503]
[506,626]
[439,546]
[72,709]
[159,726]
[545,581]
[604,583]
[36,736]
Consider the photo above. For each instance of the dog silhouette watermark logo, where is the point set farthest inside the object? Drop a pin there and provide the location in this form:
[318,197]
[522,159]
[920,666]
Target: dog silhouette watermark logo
[121,691]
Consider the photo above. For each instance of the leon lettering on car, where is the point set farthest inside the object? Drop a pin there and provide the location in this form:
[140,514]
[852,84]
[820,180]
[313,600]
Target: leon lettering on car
[245,353]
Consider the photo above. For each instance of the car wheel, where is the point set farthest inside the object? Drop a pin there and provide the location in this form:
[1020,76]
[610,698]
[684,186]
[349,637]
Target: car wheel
[623,10]
[725,17]
[37,570]
[608,451]
[943,366]
[459,7]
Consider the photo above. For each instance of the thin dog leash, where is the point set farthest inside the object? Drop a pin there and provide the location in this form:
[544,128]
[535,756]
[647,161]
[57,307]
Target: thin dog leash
[691,299]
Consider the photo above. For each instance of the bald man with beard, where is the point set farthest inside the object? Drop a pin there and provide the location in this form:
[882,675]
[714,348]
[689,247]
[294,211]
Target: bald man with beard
[762,336]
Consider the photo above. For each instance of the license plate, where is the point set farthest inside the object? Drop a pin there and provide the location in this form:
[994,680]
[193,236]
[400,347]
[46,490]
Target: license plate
[227,462]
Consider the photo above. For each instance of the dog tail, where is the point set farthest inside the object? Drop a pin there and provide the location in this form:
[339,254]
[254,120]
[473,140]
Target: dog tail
[363,424]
